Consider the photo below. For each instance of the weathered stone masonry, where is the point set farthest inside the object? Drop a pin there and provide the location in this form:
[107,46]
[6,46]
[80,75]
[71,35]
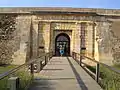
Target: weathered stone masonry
[36,29]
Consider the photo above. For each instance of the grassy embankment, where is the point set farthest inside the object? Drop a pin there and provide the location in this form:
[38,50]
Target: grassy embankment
[23,74]
[109,79]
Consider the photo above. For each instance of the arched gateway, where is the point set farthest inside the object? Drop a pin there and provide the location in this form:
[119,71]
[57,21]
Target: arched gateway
[62,40]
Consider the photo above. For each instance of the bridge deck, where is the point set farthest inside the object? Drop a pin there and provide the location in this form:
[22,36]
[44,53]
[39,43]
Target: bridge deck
[63,73]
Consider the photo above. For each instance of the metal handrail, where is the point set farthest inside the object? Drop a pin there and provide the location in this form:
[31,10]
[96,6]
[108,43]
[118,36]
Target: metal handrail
[109,67]
[5,74]
[97,74]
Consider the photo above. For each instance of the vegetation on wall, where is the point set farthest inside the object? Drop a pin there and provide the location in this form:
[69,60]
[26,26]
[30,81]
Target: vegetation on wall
[7,28]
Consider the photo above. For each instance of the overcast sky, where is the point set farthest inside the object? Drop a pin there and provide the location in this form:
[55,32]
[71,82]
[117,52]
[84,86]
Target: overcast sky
[115,4]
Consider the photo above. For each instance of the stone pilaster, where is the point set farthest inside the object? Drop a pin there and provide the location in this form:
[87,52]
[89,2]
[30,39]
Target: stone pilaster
[83,35]
[35,37]
[41,41]
[76,41]
[73,40]
[96,51]
[51,37]
[47,28]
[89,40]
[44,37]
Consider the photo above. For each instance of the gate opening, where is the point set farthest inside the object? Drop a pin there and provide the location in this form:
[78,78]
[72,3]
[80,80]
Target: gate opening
[62,41]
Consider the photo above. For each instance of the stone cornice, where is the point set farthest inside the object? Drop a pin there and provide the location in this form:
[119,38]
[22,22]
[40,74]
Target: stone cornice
[66,18]
[28,10]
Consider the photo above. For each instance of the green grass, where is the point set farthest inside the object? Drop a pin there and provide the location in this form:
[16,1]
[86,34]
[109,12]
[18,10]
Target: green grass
[109,79]
[117,66]
[91,68]
[23,74]
[3,69]
[6,68]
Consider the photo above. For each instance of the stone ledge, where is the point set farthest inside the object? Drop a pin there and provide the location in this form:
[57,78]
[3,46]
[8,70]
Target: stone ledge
[29,9]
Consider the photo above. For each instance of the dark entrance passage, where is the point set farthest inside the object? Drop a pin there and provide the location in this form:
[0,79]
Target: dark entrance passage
[62,41]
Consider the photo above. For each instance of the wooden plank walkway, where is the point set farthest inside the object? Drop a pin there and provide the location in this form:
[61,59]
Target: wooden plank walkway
[63,73]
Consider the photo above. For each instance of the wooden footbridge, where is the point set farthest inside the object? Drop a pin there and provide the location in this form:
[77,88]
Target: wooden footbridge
[63,73]
[53,73]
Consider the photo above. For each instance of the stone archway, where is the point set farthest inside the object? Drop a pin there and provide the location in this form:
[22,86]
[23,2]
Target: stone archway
[63,40]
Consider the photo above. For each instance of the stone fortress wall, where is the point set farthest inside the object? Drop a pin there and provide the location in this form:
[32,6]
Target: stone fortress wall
[32,28]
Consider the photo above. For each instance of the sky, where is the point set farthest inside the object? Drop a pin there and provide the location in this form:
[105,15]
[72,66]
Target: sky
[110,4]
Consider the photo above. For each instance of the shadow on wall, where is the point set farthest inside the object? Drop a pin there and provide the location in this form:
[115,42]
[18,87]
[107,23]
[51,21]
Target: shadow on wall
[36,44]
[41,41]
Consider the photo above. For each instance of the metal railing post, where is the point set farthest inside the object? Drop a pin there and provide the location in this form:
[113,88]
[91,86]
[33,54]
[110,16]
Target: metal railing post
[41,65]
[45,59]
[76,56]
[32,68]
[80,60]
[97,72]
[73,55]
[51,54]
[48,56]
